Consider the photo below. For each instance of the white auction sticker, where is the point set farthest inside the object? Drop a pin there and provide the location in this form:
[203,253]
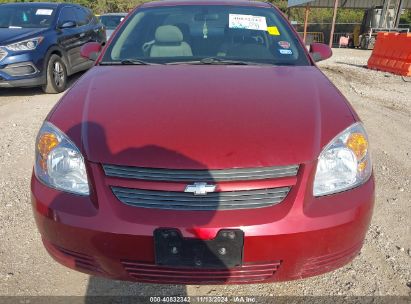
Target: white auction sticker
[248,22]
[44,12]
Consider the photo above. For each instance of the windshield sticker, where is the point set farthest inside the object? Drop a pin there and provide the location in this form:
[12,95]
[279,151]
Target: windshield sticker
[286,52]
[273,30]
[44,12]
[248,22]
[284,44]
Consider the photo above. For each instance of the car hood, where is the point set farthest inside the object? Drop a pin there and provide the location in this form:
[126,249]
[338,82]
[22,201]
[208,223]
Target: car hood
[196,116]
[10,35]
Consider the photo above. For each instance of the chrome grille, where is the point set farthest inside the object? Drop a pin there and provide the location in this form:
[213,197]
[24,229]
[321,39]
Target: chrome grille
[177,175]
[3,54]
[228,200]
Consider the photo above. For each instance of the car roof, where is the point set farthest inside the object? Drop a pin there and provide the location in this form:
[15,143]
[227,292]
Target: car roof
[206,2]
[42,4]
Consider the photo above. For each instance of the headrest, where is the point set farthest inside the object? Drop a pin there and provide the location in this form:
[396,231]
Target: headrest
[168,34]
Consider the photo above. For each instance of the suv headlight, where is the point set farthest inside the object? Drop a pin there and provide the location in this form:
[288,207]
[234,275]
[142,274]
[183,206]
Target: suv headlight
[26,45]
[59,163]
[344,163]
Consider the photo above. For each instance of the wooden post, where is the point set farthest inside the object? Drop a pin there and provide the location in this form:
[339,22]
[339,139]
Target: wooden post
[307,10]
[333,24]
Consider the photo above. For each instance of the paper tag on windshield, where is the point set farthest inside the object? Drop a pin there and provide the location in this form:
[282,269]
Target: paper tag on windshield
[248,22]
[44,12]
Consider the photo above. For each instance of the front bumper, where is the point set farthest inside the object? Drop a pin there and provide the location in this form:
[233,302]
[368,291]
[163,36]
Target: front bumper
[21,70]
[301,237]
[20,83]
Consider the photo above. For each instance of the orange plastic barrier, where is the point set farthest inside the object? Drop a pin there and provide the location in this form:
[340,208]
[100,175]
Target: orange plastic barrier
[392,53]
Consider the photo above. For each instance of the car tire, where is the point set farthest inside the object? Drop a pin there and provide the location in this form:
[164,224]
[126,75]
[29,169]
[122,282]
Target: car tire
[56,75]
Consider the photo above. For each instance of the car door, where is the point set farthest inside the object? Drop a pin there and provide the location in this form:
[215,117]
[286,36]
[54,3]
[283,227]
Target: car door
[69,37]
[88,30]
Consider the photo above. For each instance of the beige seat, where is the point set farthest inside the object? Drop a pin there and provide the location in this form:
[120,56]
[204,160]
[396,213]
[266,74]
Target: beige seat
[169,43]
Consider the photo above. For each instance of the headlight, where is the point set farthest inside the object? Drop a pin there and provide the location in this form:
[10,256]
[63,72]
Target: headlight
[26,45]
[59,164]
[344,163]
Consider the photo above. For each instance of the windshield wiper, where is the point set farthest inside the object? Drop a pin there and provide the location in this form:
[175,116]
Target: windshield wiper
[205,61]
[214,60]
[127,62]
[135,61]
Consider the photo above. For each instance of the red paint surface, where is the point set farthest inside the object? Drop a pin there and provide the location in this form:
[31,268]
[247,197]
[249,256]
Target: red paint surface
[201,117]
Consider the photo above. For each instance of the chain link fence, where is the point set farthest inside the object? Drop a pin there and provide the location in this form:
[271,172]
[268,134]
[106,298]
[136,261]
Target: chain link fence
[320,32]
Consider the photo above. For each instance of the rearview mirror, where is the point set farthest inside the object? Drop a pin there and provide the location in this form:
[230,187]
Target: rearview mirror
[67,24]
[206,17]
[90,50]
[320,51]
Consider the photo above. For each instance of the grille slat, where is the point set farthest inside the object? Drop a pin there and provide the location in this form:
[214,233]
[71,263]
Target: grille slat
[213,201]
[331,261]
[156,174]
[83,261]
[221,196]
[246,273]
[202,200]
[197,206]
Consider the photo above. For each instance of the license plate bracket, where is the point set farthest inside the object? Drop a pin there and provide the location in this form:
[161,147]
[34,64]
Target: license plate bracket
[222,252]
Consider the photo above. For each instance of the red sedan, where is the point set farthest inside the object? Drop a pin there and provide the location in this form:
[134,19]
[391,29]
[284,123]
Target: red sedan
[204,147]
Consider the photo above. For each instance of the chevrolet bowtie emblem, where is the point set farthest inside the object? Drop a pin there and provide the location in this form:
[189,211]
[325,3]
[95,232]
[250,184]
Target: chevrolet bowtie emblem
[200,188]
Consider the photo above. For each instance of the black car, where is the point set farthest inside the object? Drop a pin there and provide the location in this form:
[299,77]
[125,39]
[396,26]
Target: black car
[40,43]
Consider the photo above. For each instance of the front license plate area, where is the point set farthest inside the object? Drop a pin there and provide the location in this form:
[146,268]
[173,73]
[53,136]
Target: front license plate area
[224,251]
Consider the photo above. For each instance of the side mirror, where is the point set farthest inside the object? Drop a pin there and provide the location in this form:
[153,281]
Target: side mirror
[90,50]
[320,51]
[67,24]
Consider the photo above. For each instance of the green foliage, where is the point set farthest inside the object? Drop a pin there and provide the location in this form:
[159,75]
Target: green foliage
[406,18]
[98,6]
[321,15]
[325,15]
[317,15]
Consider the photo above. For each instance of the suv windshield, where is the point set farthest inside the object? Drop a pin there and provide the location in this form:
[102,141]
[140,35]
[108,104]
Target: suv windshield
[206,34]
[26,16]
[111,21]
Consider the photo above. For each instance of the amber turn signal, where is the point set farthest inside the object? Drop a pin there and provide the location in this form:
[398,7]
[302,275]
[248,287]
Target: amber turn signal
[46,143]
[358,144]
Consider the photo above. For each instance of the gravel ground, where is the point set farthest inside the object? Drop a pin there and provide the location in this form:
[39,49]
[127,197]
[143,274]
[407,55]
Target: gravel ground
[382,100]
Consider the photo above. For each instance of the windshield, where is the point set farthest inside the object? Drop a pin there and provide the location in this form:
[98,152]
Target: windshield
[111,22]
[206,33]
[20,16]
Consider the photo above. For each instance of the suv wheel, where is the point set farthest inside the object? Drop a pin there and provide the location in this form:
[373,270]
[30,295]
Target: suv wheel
[56,75]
